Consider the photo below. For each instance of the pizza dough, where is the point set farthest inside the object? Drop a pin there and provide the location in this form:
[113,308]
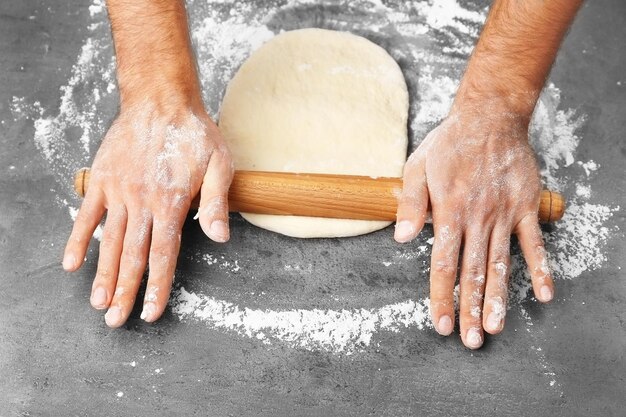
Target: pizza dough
[317,101]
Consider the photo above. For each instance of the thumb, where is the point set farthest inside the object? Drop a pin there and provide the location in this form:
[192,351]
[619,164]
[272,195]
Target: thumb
[213,210]
[412,202]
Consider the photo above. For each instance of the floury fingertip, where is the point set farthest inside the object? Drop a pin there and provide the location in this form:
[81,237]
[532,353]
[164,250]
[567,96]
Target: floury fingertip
[99,298]
[473,338]
[219,231]
[444,326]
[546,294]
[69,262]
[405,231]
[148,312]
[113,316]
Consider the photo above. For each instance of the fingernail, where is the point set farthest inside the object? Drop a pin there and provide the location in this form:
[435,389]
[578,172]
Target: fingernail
[405,231]
[473,338]
[69,262]
[99,298]
[219,231]
[546,293]
[444,326]
[493,321]
[113,316]
[148,312]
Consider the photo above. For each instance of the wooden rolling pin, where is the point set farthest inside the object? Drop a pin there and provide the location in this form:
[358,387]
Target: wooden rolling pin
[324,195]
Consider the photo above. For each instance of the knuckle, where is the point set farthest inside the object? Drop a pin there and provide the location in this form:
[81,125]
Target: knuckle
[109,240]
[84,216]
[499,262]
[525,220]
[134,188]
[132,253]
[498,304]
[214,184]
[473,272]
[471,314]
[216,205]
[120,291]
[168,229]
[441,302]
[500,266]
[446,235]
[408,198]
[103,274]
[444,268]
[226,154]
[161,254]
[175,199]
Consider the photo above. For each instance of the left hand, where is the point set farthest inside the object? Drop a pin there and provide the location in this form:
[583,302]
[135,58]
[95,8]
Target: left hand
[480,176]
[152,162]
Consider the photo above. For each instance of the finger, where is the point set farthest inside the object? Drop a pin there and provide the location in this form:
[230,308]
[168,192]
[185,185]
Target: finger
[472,282]
[443,269]
[213,211]
[496,287]
[531,241]
[88,217]
[413,202]
[132,266]
[162,264]
[109,259]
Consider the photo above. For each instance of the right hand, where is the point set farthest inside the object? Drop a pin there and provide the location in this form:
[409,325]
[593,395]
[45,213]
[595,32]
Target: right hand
[151,164]
[479,174]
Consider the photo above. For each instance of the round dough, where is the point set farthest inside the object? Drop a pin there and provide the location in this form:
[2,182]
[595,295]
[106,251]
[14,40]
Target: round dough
[317,101]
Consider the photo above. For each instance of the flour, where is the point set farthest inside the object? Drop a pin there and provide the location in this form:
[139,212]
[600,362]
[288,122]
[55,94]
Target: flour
[221,46]
[432,40]
[332,330]
[222,262]
[96,7]
[589,166]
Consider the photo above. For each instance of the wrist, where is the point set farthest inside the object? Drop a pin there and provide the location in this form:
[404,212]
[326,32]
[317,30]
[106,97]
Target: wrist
[491,101]
[169,86]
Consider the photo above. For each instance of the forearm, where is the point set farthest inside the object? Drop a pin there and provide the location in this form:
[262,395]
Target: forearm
[154,56]
[515,52]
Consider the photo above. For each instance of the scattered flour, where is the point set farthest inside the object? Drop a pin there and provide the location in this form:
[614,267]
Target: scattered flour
[433,40]
[589,166]
[222,262]
[332,330]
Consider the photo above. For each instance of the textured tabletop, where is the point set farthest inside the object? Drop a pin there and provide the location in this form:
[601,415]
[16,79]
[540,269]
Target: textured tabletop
[267,325]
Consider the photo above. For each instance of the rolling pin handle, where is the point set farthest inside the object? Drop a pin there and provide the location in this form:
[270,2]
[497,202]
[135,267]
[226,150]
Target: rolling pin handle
[81,178]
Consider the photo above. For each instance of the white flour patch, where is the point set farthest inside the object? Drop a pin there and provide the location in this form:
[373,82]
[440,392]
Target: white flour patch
[332,330]
[222,262]
[589,166]
[432,38]
[299,269]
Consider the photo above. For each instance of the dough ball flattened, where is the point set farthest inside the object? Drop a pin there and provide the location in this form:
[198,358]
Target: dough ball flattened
[317,101]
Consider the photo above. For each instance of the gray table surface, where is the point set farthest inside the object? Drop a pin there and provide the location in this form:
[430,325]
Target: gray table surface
[57,357]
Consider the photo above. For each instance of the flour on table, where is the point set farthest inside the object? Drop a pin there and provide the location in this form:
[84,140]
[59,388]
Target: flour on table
[432,43]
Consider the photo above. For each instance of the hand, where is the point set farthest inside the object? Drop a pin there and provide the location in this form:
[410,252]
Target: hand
[151,164]
[480,176]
